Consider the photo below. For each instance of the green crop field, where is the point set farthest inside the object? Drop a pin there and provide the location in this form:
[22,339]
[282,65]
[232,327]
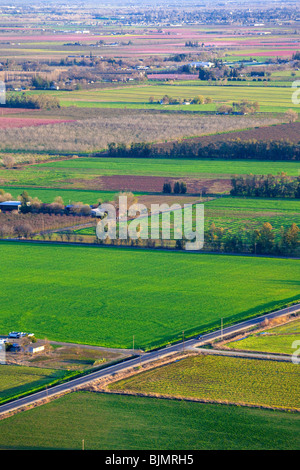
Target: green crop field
[224,379]
[147,424]
[83,171]
[18,380]
[83,295]
[275,340]
[168,167]
[237,214]
[271,99]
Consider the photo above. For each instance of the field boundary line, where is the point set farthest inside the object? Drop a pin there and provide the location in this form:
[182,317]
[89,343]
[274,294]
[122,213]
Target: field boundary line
[259,356]
[198,400]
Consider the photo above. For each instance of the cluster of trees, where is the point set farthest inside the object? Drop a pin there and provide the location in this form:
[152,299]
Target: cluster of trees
[266,186]
[5,196]
[31,101]
[34,205]
[260,241]
[178,188]
[263,240]
[206,74]
[282,150]
[29,225]
[218,72]
[166,99]
[241,107]
[40,83]
[193,44]
[200,99]
[142,150]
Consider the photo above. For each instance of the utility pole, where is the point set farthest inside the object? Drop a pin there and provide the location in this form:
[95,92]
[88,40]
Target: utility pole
[82,444]
[221,328]
[183,339]
[133,342]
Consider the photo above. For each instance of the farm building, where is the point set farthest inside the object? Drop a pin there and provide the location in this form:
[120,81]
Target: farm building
[97,212]
[205,65]
[35,348]
[10,206]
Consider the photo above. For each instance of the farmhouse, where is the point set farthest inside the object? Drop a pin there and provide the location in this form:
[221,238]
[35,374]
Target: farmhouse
[205,65]
[10,206]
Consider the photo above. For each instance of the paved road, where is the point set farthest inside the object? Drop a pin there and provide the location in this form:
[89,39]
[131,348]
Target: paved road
[142,359]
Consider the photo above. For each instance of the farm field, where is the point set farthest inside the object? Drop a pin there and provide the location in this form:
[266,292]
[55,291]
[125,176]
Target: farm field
[206,426]
[137,174]
[85,133]
[170,167]
[82,88]
[17,380]
[274,340]
[221,379]
[271,99]
[237,214]
[264,133]
[234,213]
[170,291]
[8,123]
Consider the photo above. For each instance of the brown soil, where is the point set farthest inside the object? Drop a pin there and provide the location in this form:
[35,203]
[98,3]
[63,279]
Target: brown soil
[152,184]
[288,131]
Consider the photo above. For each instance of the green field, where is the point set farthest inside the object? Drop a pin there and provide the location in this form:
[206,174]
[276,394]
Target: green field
[147,424]
[80,294]
[275,340]
[18,380]
[221,379]
[237,214]
[166,167]
[271,99]
[83,170]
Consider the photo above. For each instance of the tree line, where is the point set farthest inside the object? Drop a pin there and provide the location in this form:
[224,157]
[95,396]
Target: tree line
[35,206]
[264,240]
[280,150]
[31,101]
[266,186]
